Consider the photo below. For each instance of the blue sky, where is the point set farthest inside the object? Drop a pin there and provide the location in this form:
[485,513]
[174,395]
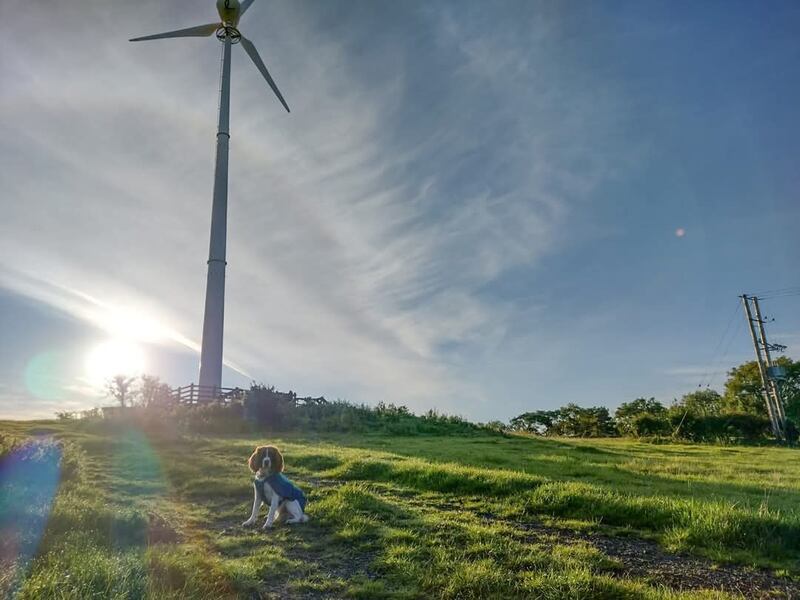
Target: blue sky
[472,206]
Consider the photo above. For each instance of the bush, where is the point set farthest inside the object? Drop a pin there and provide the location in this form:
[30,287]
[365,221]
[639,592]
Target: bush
[735,427]
[792,432]
[385,418]
[648,425]
[212,418]
[264,408]
[629,413]
[268,407]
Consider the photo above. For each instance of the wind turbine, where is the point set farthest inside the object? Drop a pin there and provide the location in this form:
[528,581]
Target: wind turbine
[230,11]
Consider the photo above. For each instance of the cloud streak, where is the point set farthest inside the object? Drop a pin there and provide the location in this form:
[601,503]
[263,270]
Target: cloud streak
[361,227]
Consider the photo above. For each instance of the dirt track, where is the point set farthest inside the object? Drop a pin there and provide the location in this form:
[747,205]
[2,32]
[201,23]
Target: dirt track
[646,560]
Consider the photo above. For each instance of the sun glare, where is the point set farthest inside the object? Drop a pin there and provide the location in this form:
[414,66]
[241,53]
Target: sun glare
[131,324]
[114,357]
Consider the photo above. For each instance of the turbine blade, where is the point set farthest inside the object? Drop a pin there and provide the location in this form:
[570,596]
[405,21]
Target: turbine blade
[253,53]
[200,31]
[244,6]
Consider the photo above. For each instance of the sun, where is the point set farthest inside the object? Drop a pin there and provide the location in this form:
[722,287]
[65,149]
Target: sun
[114,357]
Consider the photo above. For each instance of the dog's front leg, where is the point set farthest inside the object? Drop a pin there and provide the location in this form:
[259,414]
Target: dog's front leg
[256,506]
[273,508]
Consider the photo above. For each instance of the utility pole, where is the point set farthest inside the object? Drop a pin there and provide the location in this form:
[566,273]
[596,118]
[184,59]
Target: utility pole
[770,390]
[773,388]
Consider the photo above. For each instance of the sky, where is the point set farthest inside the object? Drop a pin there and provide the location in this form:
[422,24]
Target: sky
[482,208]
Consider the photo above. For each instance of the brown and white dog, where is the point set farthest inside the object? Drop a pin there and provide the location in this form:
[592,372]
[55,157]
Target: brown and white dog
[286,501]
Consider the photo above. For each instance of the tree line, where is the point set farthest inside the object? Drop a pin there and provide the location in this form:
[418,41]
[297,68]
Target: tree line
[738,413]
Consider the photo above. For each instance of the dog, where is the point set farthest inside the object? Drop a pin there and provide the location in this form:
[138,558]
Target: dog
[286,501]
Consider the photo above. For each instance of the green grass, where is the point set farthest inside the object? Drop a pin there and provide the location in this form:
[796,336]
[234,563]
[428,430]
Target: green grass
[392,517]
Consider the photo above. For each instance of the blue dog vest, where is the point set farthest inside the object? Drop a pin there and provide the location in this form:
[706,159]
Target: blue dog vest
[283,487]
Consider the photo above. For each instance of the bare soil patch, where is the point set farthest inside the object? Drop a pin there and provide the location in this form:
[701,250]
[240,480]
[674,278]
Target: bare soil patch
[320,565]
[647,560]
[159,531]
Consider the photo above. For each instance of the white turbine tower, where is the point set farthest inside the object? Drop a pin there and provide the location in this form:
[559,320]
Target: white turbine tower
[230,11]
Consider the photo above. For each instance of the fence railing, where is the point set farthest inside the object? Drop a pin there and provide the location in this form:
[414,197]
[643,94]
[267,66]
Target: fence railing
[194,394]
[200,394]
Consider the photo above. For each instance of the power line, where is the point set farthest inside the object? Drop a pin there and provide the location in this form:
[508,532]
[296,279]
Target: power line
[773,296]
[715,366]
[725,342]
[765,292]
[779,293]
[790,288]
[725,353]
[712,363]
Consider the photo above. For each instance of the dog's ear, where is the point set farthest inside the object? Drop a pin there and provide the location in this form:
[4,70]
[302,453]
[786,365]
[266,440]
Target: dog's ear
[276,459]
[256,458]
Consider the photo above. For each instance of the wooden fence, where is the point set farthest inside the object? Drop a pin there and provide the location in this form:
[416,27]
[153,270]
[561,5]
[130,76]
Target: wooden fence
[194,394]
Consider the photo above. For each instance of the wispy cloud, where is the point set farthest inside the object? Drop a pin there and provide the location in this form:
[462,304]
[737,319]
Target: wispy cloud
[360,227]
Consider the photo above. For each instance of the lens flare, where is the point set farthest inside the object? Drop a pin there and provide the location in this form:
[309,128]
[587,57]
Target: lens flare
[44,378]
[29,476]
[134,458]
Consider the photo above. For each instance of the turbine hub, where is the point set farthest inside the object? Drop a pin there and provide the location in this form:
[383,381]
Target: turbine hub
[229,31]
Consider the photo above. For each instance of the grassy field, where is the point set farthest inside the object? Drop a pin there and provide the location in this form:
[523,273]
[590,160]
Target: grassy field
[130,515]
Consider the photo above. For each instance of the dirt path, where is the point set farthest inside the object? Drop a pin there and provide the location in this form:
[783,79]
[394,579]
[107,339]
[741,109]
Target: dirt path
[646,560]
[298,543]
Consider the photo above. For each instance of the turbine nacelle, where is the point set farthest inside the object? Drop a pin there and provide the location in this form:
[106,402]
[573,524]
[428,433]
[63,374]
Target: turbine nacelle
[229,11]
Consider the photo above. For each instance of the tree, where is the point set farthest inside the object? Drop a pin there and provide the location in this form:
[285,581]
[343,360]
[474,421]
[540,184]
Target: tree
[647,424]
[702,403]
[496,425]
[628,413]
[570,420]
[790,387]
[153,392]
[539,421]
[743,389]
[120,387]
[575,421]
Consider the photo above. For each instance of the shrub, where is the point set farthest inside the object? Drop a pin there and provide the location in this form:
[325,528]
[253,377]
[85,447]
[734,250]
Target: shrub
[264,408]
[647,425]
[736,427]
[628,413]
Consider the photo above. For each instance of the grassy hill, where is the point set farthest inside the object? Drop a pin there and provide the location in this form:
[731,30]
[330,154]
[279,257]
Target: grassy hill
[124,514]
